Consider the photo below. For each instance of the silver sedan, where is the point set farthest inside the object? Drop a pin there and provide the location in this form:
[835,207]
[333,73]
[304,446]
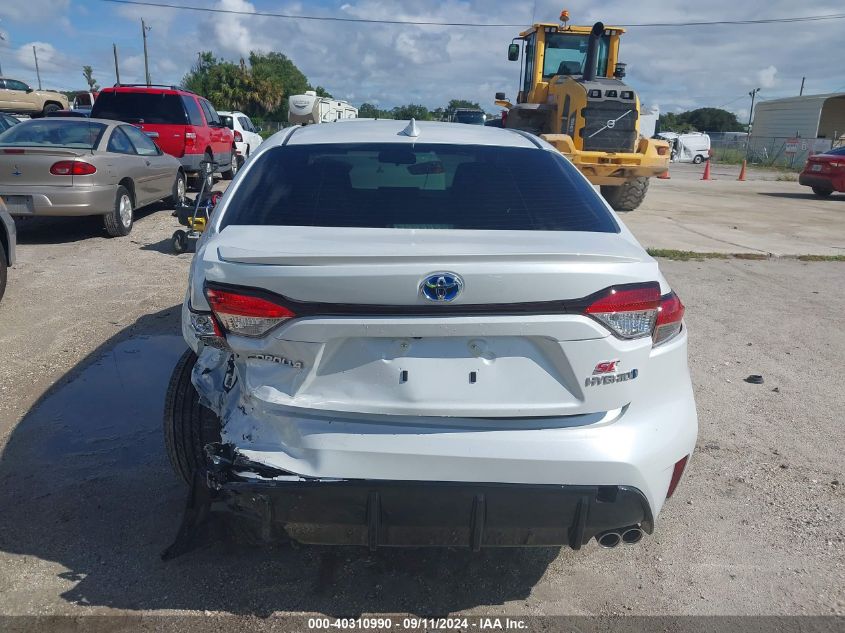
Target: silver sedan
[75,167]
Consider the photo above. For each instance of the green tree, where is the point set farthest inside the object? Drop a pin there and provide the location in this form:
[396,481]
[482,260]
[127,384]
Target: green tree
[703,119]
[455,104]
[88,73]
[411,111]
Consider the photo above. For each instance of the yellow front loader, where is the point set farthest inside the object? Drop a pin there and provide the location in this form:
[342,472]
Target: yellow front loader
[572,95]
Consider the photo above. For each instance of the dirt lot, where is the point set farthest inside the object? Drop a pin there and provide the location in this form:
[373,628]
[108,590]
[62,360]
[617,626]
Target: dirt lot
[761,215]
[89,333]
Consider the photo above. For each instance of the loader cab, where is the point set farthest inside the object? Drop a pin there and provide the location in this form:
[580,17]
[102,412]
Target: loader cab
[549,50]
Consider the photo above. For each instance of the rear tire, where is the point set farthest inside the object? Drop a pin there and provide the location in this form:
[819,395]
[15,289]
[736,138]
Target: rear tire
[179,241]
[626,197]
[3,271]
[118,223]
[50,108]
[698,159]
[821,192]
[180,188]
[188,426]
[234,163]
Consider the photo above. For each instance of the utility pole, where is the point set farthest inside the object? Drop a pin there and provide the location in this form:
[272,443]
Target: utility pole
[116,66]
[144,29]
[37,72]
[801,92]
[751,94]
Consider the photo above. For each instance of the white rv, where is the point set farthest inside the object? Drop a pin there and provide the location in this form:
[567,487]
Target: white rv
[693,147]
[309,108]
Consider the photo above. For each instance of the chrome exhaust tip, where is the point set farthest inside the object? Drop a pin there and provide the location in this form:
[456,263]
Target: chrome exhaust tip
[609,539]
[631,535]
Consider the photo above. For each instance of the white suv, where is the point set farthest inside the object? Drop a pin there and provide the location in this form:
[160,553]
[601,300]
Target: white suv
[247,137]
[428,335]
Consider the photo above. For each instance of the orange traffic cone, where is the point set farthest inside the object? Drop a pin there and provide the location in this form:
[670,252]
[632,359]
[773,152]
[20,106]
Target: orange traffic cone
[706,175]
[664,175]
[742,173]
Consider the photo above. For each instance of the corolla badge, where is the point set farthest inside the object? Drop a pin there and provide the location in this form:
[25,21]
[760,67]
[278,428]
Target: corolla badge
[441,287]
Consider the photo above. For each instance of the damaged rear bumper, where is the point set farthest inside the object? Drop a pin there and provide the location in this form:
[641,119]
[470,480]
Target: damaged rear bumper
[376,513]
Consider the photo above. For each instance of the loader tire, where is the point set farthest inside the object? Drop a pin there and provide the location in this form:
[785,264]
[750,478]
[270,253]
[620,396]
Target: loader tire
[188,426]
[626,197]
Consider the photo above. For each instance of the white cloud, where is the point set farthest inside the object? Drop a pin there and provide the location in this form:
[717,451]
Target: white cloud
[681,68]
[766,77]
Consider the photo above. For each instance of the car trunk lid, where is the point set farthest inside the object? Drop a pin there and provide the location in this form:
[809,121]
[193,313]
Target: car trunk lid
[514,343]
[23,166]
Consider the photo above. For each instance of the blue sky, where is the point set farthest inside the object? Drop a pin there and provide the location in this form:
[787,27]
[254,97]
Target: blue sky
[388,65]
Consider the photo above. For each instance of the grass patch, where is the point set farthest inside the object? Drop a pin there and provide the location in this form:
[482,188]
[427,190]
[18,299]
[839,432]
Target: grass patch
[789,177]
[750,256]
[822,258]
[684,256]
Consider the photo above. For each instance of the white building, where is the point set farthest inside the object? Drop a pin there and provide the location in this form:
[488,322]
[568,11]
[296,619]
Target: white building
[807,124]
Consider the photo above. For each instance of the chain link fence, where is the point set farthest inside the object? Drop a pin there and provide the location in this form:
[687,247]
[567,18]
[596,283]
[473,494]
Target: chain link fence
[770,151]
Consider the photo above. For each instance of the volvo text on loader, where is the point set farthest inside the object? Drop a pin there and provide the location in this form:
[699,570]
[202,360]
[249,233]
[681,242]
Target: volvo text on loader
[573,96]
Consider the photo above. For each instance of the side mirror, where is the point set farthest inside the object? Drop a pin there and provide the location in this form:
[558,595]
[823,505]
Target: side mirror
[500,96]
[258,129]
[513,52]
[28,90]
[619,71]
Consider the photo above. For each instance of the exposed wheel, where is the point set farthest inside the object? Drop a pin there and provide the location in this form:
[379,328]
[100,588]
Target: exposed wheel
[50,108]
[822,192]
[234,163]
[119,222]
[180,241]
[626,197]
[180,188]
[3,271]
[698,159]
[188,426]
[207,172]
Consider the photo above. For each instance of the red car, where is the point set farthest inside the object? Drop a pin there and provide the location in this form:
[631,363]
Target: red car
[825,173]
[183,124]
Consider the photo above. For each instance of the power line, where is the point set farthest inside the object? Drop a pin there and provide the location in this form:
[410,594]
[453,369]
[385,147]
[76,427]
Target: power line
[331,18]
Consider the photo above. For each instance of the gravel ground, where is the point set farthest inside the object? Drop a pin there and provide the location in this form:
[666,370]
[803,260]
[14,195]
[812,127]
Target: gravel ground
[89,333]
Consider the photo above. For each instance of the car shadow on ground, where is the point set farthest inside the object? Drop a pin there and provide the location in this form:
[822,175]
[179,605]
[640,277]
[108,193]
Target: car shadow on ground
[85,483]
[801,196]
[61,230]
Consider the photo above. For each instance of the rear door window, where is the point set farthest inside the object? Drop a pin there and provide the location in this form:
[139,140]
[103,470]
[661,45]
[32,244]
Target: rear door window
[140,107]
[210,113]
[119,143]
[421,186]
[193,110]
[245,124]
[144,145]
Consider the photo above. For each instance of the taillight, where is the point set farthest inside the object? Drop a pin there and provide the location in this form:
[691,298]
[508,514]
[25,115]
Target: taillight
[836,164]
[628,312]
[190,137]
[72,168]
[13,151]
[669,317]
[663,150]
[238,137]
[677,472]
[245,315]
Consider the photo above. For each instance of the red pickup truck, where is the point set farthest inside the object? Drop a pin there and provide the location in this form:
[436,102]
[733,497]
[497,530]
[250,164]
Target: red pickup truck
[183,124]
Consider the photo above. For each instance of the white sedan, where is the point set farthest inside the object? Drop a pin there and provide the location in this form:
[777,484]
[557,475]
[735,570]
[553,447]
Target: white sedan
[428,334]
[247,137]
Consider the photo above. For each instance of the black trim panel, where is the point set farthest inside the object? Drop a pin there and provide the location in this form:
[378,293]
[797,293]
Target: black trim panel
[310,309]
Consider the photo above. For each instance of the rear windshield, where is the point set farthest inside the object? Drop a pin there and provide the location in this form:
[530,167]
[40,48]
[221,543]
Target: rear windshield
[140,107]
[417,187]
[73,133]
